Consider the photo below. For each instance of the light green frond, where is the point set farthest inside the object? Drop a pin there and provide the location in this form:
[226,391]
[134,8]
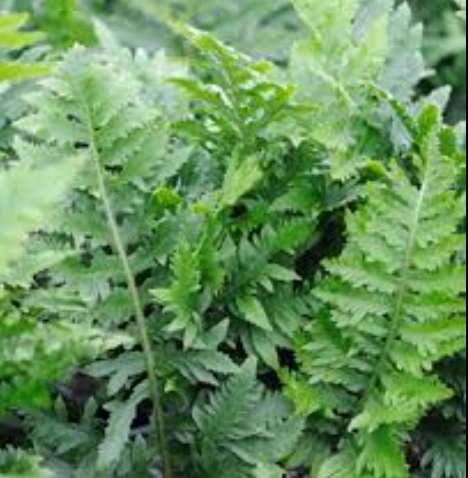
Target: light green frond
[27,196]
[12,38]
[396,301]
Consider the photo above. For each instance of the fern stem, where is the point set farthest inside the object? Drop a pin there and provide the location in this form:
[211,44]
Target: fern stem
[158,409]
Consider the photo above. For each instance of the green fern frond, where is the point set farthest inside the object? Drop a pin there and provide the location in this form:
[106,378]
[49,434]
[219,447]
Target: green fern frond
[182,297]
[334,67]
[119,428]
[12,38]
[243,427]
[71,447]
[85,111]
[24,207]
[238,104]
[113,121]
[396,300]
[351,46]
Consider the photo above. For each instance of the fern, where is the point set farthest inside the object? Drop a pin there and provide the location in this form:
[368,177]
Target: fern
[110,134]
[20,465]
[11,37]
[22,210]
[127,135]
[440,460]
[243,99]
[182,296]
[31,353]
[66,24]
[238,270]
[351,46]
[188,207]
[396,308]
[27,360]
[21,213]
[71,450]
[242,430]
[119,428]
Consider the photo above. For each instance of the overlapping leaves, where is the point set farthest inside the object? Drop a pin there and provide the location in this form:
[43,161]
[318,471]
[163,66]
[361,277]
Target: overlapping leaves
[228,187]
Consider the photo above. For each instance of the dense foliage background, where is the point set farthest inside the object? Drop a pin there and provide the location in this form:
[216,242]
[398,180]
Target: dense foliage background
[242,261]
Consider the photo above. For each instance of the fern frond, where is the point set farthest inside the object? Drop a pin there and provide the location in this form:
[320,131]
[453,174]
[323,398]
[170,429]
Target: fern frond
[396,301]
[238,105]
[351,46]
[181,299]
[118,430]
[334,67]
[71,447]
[24,206]
[77,114]
[31,353]
[12,38]
[242,428]
[100,114]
